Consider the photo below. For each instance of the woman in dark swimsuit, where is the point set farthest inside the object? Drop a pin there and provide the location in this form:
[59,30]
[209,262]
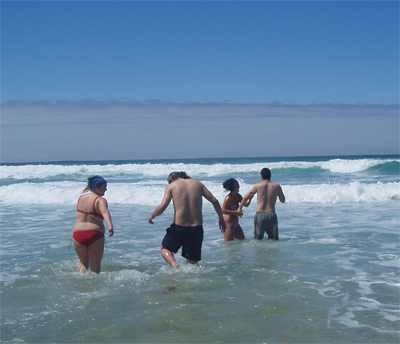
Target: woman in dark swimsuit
[230,209]
[88,232]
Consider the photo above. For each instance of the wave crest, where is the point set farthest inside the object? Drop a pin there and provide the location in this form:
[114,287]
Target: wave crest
[150,193]
[150,169]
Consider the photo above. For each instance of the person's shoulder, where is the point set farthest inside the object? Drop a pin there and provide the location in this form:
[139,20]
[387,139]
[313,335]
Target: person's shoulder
[275,185]
[173,185]
[254,189]
[194,182]
[100,200]
[184,183]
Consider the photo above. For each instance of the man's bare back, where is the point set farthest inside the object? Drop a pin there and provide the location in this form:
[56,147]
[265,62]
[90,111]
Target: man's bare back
[188,203]
[267,194]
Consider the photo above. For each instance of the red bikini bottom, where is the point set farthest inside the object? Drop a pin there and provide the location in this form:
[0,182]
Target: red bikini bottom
[87,238]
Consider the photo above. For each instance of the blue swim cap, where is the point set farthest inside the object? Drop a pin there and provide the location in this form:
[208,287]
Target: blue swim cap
[96,181]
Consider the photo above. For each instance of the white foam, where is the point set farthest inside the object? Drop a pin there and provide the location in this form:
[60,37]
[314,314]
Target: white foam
[347,319]
[351,166]
[321,241]
[150,193]
[34,171]
[354,192]
[126,276]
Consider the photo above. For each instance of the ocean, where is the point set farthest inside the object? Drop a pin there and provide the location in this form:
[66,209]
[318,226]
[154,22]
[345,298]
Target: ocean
[333,277]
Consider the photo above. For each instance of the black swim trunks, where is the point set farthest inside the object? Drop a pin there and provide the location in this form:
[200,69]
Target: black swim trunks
[188,237]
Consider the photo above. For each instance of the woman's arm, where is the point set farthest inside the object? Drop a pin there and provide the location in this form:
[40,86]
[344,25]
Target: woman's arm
[226,207]
[103,206]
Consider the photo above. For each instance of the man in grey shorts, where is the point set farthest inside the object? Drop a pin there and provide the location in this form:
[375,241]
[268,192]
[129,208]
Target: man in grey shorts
[265,219]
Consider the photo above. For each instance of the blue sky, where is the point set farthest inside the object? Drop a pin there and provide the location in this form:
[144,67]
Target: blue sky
[185,65]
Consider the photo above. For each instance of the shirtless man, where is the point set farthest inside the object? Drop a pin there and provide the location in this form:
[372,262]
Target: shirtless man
[265,219]
[187,230]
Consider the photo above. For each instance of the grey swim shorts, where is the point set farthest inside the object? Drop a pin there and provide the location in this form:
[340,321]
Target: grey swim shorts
[266,222]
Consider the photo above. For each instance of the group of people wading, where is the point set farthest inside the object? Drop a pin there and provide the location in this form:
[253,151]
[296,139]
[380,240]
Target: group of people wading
[187,229]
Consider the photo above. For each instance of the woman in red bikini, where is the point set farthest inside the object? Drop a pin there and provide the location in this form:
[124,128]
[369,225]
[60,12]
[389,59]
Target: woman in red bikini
[230,209]
[88,232]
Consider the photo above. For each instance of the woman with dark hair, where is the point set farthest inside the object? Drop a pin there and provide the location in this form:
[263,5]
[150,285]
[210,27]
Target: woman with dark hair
[88,232]
[230,209]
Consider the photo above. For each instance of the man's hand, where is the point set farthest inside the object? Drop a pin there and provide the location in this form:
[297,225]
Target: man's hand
[151,219]
[222,225]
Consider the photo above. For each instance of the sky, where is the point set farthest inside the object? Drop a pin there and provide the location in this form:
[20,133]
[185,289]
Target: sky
[127,80]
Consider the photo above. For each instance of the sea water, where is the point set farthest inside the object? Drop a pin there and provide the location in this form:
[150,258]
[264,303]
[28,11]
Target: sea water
[333,277]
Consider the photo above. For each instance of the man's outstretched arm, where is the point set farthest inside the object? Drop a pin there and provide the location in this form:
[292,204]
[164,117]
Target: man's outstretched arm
[281,195]
[247,199]
[210,197]
[163,205]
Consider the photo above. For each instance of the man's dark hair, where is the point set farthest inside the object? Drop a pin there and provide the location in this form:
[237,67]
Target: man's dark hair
[175,175]
[183,175]
[266,173]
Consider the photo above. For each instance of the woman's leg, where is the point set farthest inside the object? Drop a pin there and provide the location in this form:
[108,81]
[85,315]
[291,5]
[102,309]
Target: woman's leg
[95,252]
[239,233]
[229,233]
[82,252]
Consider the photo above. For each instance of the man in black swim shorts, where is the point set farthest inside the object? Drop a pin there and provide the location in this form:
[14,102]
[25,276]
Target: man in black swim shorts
[187,228]
[187,237]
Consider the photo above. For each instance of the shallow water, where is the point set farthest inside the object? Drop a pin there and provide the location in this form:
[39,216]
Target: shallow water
[333,276]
